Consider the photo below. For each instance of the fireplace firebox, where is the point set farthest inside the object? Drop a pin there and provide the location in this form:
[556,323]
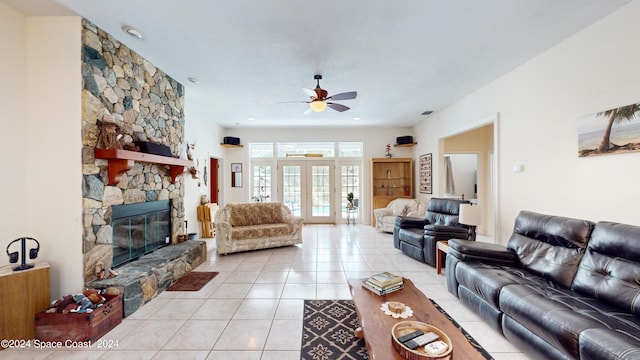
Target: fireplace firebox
[139,229]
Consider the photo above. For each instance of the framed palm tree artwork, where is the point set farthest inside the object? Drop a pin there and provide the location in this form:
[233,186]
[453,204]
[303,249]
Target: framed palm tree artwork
[612,131]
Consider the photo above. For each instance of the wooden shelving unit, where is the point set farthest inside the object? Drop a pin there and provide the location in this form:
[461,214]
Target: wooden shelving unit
[120,161]
[231,145]
[391,178]
[22,295]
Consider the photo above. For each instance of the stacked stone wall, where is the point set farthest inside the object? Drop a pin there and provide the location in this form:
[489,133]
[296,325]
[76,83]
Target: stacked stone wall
[147,105]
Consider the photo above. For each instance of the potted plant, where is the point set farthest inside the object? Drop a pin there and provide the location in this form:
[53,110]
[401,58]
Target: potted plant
[350,200]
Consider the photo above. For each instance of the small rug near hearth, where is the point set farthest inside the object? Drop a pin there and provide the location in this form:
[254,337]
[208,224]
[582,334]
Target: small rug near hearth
[327,332]
[193,281]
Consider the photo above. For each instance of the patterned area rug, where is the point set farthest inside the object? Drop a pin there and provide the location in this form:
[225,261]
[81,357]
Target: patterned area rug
[328,326]
[193,281]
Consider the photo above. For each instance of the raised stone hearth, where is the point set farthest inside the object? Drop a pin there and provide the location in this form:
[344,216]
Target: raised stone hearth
[145,278]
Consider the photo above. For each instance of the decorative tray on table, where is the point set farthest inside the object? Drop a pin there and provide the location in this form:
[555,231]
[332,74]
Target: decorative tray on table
[438,346]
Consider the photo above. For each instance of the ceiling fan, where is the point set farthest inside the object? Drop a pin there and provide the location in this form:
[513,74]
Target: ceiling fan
[319,99]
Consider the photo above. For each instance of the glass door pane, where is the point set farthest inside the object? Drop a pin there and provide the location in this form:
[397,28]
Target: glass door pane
[320,182]
[307,189]
[292,188]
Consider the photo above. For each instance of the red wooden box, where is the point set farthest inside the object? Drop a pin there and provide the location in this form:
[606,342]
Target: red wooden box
[80,327]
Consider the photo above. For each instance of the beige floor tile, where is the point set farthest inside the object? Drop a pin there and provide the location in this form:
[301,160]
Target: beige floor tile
[177,309]
[282,335]
[196,335]
[244,335]
[265,291]
[231,291]
[235,355]
[150,335]
[272,277]
[257,309]
[217,309]
[181,354]
[290,309]
[299,291]
[129,355]
[280,355]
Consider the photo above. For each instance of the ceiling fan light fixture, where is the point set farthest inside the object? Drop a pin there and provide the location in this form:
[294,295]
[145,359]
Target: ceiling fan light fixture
[317,105]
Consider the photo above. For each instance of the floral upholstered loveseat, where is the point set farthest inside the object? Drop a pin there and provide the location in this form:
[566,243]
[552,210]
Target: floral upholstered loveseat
[259,225]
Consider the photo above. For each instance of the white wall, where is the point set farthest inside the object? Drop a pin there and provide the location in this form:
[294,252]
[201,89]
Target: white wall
[53,137]
[40,141]
[538,104]
[207,135]
[374,139]
[13,137]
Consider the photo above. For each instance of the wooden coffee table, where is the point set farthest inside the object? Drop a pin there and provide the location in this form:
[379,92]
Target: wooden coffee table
[376,326]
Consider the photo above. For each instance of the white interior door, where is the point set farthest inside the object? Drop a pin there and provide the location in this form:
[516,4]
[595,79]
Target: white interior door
[307,188]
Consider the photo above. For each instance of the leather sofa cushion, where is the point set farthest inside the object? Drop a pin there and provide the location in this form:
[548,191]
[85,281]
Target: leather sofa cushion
[551,246]
[598,344]
[260,231]
[414,237]
[488,280]
[247,214]
[610,270]
[444,212]
[547,312]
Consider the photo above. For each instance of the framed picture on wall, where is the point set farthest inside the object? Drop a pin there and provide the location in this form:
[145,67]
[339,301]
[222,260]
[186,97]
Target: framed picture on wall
[425,174]
[236,175]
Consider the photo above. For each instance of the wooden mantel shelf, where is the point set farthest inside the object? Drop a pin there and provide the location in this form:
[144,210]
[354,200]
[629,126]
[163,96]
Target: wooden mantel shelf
[120,161]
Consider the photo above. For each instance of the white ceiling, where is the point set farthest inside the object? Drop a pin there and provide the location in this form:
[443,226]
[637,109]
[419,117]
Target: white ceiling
[403,57]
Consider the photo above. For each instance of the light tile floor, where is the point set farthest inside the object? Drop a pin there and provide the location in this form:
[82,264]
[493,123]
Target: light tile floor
[253,309]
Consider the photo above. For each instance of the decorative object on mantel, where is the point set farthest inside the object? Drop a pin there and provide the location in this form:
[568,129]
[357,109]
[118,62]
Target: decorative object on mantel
[597,134]
[388,150]
[33,253]
[110,133]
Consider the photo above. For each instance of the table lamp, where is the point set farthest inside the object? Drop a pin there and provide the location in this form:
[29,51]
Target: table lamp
[472,216]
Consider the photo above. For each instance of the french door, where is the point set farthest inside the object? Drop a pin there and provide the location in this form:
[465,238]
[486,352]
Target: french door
[307,188]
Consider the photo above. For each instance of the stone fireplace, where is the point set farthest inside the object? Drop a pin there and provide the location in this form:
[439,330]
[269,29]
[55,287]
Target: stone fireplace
[139,229]
[146,105]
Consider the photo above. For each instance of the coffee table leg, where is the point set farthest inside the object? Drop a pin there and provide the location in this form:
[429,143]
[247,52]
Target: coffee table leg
[358,333]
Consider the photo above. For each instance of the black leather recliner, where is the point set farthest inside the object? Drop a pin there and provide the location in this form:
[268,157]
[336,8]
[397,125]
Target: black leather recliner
[417,237]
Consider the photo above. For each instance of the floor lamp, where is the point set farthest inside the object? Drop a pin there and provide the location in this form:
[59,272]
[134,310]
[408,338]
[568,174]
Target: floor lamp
[472,216]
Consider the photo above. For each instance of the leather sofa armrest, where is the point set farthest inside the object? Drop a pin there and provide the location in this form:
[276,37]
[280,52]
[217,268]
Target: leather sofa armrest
[405,222]
[467,250]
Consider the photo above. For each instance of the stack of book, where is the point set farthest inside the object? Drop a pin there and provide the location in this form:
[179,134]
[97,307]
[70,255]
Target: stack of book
[383,283]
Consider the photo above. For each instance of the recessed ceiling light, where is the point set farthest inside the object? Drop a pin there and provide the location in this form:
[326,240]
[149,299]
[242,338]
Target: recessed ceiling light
[251,119]
[356,119]
[133,31]
[193,80]
[427,112]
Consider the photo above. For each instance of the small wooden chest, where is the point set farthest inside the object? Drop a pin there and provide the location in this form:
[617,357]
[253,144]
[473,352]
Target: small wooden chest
[80,327]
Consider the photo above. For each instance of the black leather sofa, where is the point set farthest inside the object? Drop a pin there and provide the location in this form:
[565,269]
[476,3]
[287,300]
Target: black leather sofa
[562,288]
[417,237]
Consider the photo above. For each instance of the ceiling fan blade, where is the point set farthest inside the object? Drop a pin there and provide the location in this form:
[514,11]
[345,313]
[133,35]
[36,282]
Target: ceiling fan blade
[292,102]
[338,107]
[307,112]
[311,93]
[344,96]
